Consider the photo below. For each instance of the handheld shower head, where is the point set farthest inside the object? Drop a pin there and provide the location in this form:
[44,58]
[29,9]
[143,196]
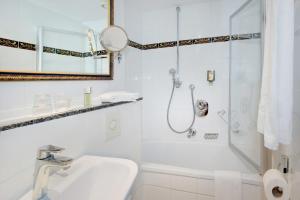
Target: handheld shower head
[172,71]
[192,86]
[175,77]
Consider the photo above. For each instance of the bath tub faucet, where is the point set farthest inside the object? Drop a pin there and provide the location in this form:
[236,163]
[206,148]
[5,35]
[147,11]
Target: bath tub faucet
[46,161]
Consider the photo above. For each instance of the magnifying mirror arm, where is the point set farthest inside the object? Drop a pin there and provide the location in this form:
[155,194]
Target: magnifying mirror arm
[119,57]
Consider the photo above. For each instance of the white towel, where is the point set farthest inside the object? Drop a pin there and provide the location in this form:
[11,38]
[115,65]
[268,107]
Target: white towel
[228,185]
[118,96]
[276,101]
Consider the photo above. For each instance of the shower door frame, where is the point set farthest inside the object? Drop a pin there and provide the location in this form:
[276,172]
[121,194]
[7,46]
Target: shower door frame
[263,152]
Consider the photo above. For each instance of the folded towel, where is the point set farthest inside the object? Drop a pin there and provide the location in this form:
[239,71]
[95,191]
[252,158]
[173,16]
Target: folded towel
[118,96]
[228,185]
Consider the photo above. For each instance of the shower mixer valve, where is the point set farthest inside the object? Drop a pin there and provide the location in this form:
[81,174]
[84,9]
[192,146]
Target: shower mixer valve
[201,108]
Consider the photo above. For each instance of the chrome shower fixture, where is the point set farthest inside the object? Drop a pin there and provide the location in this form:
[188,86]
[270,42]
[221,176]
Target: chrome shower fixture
[177,84]
[191,133]
[175,78]
[201,108]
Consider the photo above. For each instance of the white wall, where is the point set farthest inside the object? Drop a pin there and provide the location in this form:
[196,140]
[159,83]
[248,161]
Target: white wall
[134,70]
[80,134]
[201,19]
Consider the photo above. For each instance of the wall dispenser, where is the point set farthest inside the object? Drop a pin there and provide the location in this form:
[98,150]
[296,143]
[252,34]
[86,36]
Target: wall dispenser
[211,76]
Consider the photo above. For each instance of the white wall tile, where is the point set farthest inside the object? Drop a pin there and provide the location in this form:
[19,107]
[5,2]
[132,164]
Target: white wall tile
[185,184]
[179,195]
[206,187]
[187,188]
[251,192]
[157,179]
[157,193]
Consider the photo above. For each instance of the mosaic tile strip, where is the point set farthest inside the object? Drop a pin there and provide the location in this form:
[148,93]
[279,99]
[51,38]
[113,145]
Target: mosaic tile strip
[150,46]
[245,36]
[49,50]
[9,43]
[167,44]
[35,76]
[87,54]
[195,41]
[27,46]
[135,45]
[234,37]
[32,47]
[62,115]
[202,41]
[220,39]
[256,35]
[101,52]
[63,52]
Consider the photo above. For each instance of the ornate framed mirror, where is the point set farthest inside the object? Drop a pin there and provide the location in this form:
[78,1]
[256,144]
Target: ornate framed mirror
[55,40]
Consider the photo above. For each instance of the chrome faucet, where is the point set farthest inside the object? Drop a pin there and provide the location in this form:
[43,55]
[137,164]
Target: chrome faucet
[46,161]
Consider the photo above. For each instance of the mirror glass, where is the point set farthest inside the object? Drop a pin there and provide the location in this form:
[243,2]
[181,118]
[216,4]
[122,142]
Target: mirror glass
[114,39]
[53,36]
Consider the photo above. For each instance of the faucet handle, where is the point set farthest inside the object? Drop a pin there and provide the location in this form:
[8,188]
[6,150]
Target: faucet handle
[48,150]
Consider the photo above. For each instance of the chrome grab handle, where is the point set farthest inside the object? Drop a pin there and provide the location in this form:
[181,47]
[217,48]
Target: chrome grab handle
[47,151]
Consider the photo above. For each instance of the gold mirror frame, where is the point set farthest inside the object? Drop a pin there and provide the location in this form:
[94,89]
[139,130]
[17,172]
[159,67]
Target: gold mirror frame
[40,76]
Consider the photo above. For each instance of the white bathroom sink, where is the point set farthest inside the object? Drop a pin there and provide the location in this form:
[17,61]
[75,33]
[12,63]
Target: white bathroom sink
[92,178]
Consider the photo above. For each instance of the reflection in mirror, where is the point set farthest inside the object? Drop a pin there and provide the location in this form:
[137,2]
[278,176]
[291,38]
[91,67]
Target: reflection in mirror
[92,41]
[114,39]
[53,36]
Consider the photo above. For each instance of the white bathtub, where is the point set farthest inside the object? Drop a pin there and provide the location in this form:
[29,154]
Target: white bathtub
[164,182]
[194,155]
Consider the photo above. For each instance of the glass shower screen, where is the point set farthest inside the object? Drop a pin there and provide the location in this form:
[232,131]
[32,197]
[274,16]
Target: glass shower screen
[245,80]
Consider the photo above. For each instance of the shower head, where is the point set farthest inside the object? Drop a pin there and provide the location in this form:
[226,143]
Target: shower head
[172,71]
[178,9]
[175,77]
[192,86]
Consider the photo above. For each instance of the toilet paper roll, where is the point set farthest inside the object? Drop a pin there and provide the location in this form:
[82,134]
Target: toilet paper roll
[275,185]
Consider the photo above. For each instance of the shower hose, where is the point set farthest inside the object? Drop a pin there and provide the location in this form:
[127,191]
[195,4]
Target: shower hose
[192,87]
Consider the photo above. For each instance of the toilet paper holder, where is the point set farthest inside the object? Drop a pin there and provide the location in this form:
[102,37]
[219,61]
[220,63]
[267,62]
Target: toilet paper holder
[284,164]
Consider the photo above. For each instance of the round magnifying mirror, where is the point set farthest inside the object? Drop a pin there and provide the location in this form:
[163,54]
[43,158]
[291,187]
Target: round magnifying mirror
[92,41]
[114,39]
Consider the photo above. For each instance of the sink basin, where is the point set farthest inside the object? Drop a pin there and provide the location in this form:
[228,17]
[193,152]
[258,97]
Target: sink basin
[92,178]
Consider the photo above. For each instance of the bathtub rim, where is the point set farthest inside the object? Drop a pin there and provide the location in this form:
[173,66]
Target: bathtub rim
[247,178]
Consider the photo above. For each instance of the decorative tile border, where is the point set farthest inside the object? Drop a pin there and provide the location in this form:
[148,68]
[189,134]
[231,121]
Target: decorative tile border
[49,50]
[32,47]
[195,41]
[62,115]
[31,76]
[27,46]
[64,52]
[9,43]
[135,45]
